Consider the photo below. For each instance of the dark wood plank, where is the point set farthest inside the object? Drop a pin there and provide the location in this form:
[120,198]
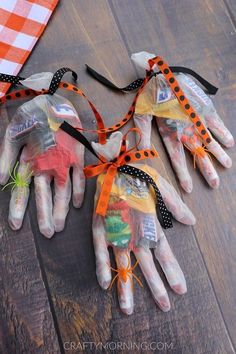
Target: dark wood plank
[204,40]
[26,325]
[84,312]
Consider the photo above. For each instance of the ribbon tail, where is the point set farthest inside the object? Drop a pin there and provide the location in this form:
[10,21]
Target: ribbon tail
[104,197]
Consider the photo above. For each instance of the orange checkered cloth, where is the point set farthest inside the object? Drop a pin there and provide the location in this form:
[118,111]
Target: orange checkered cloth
[21,24]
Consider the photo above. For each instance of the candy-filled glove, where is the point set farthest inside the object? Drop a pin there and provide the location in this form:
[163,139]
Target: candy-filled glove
[176,128]
[47,153]
[131,225]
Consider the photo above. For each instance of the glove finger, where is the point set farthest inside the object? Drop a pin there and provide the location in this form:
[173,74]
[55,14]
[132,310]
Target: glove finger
[219,153]
[203,104]
[203,161]
[176,152]
[144,123]
[169,264]
[152,277]
[125,283]
[217,127]
[78,186]
[19,196]
[43,197]
[8,156]
[103,270]
[208,171]
[62,195]
[174,203]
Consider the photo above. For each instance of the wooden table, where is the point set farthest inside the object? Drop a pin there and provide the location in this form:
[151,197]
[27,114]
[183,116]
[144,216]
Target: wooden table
[50,299]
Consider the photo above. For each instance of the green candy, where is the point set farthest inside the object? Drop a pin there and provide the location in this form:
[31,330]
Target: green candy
[118,231]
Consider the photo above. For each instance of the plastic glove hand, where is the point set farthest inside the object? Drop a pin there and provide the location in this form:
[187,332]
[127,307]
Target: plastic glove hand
[176,129]
[48,154]
[131,224]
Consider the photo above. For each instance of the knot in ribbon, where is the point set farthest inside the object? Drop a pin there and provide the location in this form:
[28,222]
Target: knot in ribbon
[112,167]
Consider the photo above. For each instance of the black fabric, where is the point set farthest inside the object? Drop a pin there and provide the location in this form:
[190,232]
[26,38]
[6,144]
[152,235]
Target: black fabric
[163,214]
[210,89]
[132,86]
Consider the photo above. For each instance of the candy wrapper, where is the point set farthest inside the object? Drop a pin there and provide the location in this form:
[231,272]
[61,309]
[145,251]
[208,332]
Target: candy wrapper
[47,153]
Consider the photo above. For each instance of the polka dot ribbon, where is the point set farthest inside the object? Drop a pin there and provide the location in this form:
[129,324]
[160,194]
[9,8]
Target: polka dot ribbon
[57,77]
[11,79]
[164,216]
[19,94]
[184,102]
[102,131]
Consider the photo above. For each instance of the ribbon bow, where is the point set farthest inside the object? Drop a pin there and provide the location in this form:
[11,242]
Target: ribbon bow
[119,165]
[112,167]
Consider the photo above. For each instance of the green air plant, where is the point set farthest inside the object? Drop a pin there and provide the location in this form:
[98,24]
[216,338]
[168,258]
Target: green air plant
[19,180]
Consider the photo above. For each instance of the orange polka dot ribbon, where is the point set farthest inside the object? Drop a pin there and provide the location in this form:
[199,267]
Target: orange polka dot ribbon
[184,102]
[102,131]
[19,94]
[112,167]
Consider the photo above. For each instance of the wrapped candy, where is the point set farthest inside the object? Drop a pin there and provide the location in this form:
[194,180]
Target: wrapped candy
[177,130]
[125,219]
[48,154]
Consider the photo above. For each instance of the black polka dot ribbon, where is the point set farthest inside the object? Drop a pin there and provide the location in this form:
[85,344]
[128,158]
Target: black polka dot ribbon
[164,216]
[55,82]
[210,89]
[57,77]
[11,79]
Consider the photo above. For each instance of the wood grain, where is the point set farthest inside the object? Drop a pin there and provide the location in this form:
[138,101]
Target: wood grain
[104,34]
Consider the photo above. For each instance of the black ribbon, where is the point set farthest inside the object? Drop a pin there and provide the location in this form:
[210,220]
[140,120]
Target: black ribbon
[54,84]
[210,89]
[164,216]
[74,133]
[11,79]
[57,77]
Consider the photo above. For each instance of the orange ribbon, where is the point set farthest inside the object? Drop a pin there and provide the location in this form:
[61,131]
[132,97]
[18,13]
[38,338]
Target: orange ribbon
[111,169]
[184,102]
